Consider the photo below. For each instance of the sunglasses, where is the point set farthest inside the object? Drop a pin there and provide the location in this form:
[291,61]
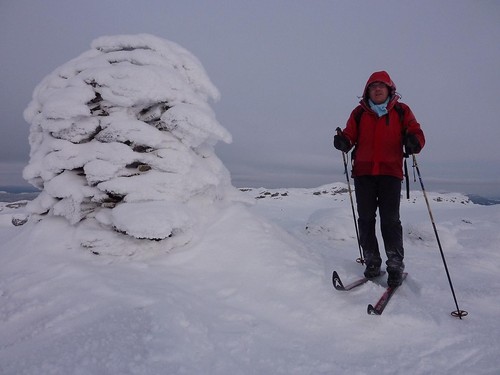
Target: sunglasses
[377,85]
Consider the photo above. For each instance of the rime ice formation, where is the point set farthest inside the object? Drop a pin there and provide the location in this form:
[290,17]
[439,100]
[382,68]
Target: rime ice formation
[123,136]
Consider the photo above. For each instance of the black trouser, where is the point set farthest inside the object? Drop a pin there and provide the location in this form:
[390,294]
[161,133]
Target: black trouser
[384,193]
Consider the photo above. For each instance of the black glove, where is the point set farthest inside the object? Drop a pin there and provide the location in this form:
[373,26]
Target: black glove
[340,142]
[412,145]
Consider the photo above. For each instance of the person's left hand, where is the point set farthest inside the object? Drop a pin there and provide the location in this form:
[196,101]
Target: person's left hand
[412,145]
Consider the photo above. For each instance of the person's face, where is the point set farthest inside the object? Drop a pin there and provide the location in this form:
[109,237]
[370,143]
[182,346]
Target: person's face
[378,92]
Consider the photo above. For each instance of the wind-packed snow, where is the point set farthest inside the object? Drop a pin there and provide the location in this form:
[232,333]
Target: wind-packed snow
[251,293]
[140,257]
[123,135]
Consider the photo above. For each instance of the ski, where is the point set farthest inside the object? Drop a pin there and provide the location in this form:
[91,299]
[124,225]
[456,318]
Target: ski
[384,300]
[337,283]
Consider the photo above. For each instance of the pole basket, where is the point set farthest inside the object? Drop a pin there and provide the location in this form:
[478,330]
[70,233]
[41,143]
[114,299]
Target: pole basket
[360,261]
[459,314]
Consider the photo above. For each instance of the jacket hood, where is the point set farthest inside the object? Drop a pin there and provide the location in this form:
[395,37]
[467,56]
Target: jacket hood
[381,76]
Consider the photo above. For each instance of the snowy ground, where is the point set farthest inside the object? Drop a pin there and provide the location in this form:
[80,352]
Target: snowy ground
[253,295]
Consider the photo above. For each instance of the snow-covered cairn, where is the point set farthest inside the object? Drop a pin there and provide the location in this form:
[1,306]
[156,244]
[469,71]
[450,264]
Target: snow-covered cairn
[123,135]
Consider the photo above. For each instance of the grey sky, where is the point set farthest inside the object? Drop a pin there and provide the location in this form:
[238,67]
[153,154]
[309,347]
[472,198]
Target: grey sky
[289,73]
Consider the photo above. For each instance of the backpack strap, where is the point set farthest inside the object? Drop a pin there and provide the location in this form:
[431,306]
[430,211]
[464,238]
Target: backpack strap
[401,112]
[357,115]
[407,179]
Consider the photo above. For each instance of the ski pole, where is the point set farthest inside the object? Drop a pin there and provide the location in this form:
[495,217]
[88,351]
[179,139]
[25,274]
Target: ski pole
[458,313]
[360,260]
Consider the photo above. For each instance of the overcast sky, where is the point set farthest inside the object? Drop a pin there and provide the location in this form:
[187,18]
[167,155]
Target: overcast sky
[289,73]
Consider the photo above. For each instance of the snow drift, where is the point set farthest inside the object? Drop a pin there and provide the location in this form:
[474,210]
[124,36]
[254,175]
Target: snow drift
[253,295]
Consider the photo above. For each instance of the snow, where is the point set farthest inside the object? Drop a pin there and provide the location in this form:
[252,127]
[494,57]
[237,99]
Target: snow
[139,256]
[251,294]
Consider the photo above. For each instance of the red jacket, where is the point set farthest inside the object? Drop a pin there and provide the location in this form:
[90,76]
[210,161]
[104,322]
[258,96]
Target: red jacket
[378,141]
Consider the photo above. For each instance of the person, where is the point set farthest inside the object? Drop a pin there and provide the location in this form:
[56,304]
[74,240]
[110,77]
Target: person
[378,129]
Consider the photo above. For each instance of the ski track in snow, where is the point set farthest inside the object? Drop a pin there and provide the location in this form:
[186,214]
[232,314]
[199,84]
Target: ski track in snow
[252,294]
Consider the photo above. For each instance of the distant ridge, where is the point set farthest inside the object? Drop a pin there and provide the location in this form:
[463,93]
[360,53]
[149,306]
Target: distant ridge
[477,199]
[341,188]
[17,193]
[18,189]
